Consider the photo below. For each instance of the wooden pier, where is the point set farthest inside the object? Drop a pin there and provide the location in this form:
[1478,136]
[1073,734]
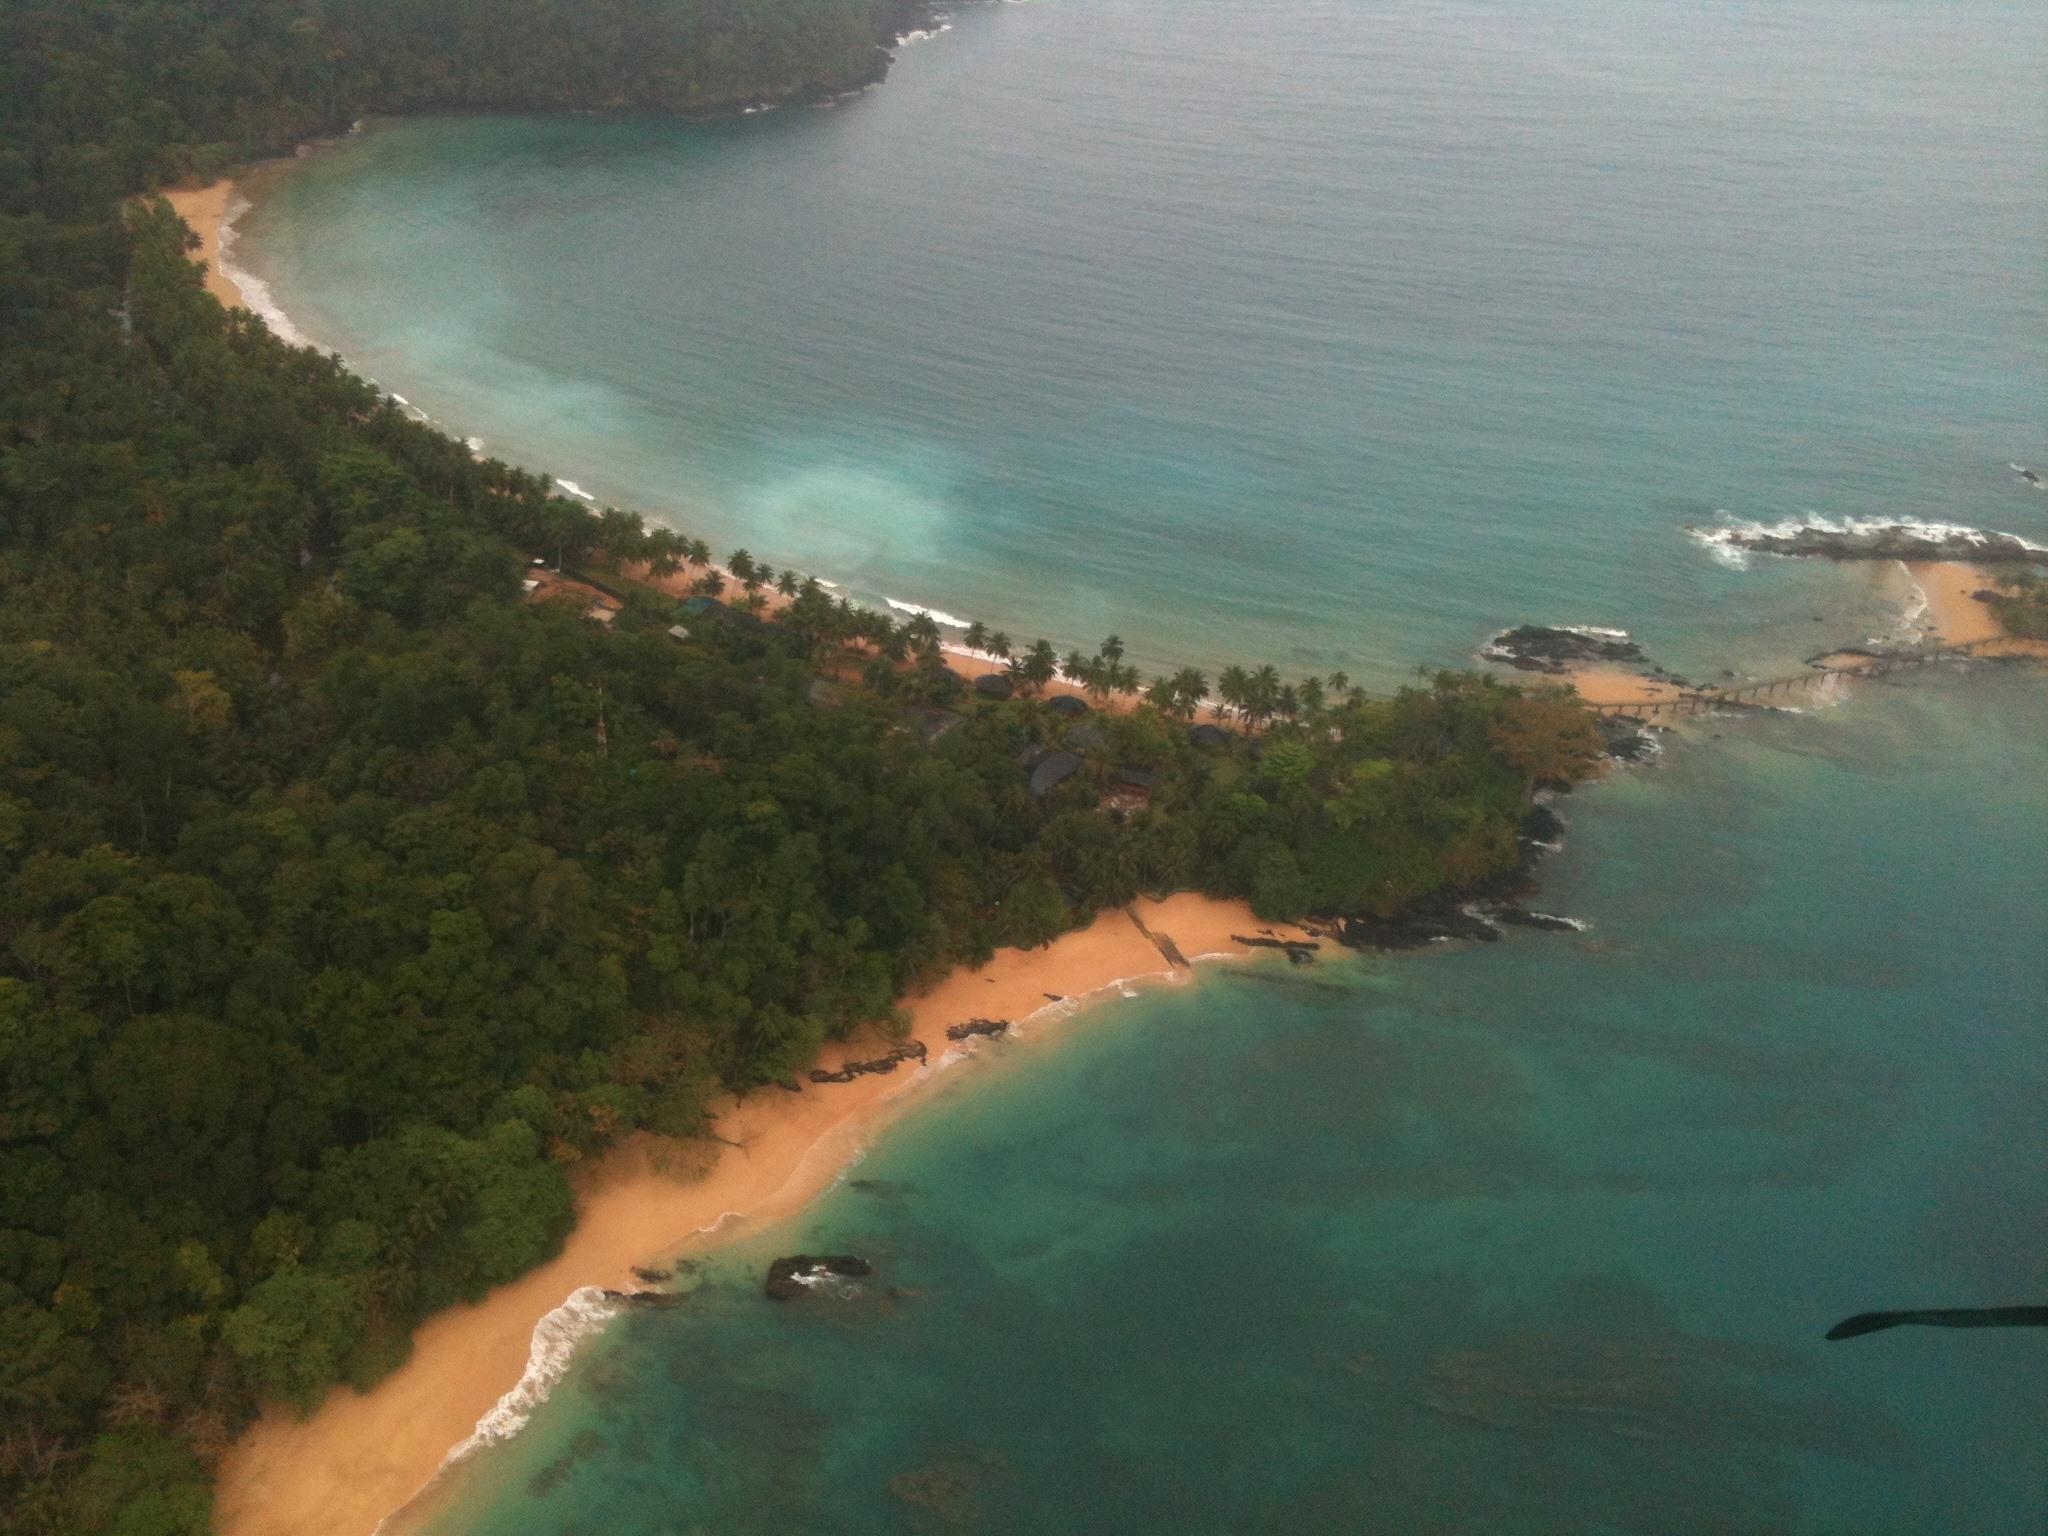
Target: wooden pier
[1758,694]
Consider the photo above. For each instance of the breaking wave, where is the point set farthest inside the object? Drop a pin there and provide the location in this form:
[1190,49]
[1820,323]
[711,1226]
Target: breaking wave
[555,1338]
[254,290]
[936,615]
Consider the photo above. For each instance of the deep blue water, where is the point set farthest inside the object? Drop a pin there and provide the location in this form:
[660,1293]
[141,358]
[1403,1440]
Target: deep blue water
[1338,334]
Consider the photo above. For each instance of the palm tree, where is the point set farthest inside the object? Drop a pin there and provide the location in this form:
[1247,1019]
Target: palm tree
[976,638]
[1099,683]
[787,584]
[999,646]
[1311,695]
[1039,666]
[1163,694]
[923,632]
[1112,650]
[664,554]
[1074,667]
[1340,682]
[1233,687]
[741,564]
[710,584]
[700,552]
[1264,694]
[1190,688]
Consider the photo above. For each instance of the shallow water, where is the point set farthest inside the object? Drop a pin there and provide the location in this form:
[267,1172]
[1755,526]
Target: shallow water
[1335,334]
[1538,1236]
[1341,333]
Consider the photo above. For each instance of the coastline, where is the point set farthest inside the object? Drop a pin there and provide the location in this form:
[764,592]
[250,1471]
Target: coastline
[206,210]
[361,1458]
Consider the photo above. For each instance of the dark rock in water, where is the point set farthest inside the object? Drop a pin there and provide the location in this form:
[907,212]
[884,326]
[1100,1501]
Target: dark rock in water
[1879,541]
[1628,742]
[1414,930]
[1543,825]
[1547,648]
[795,1276]
[652,1276]
[910,1050]
[1299,951]
[657,1300]
[1055,997]
[974,1027]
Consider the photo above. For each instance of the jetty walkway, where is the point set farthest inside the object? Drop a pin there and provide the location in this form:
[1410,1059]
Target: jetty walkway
[1758,694]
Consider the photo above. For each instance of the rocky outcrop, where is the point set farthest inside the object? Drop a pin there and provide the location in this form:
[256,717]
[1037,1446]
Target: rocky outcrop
[1628,741]
[1558,648]
[1299,951]
[977,1027]
[1430,923]
[1866,539]
[802,1273]
[910,1050]
[656,1300]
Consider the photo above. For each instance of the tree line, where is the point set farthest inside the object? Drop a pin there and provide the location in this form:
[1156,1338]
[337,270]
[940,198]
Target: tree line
[351,902]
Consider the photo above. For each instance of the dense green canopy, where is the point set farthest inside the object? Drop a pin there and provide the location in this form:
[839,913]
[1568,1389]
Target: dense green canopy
[349,899]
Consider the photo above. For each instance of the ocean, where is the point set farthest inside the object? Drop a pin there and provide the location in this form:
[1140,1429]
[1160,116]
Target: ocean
[1339,334]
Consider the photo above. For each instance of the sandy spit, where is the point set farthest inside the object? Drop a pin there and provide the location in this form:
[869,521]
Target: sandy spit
[362,1456]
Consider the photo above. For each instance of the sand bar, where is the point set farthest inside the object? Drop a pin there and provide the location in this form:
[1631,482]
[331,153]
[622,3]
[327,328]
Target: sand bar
[362,1456]
[205,209]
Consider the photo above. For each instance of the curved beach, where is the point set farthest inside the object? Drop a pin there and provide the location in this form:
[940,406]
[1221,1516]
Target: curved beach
[362,1456]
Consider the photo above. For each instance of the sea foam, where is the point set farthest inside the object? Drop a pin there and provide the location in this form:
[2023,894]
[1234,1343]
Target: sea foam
[254,290]
[555,1338]
[936,615]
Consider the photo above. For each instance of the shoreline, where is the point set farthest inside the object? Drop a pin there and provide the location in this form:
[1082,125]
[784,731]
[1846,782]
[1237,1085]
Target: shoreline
[362,1459]
[1951,613]
[206,210]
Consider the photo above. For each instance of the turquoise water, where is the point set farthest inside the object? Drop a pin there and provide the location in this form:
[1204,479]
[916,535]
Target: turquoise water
[1332,333]
[1535,1237]
[1339,334]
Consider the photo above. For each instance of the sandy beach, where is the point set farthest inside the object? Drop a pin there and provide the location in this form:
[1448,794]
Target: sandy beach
[361,1457]
[1957,617]
[1601,686]
[205,208]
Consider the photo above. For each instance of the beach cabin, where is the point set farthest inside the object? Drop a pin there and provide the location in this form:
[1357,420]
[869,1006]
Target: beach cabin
[1133,790]
[1053,770]
[598,613]
[996,685]
[677,632]
[529,586]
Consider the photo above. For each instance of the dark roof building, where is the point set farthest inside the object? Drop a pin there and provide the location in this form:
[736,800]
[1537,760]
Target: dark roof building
[1053,770]
[701,604]
[1207,735]
[1085,738]
[1138,778]
[994,685]
[1072,705]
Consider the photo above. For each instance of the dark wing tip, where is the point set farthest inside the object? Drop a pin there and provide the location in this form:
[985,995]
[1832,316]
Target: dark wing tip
[1862,1323]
